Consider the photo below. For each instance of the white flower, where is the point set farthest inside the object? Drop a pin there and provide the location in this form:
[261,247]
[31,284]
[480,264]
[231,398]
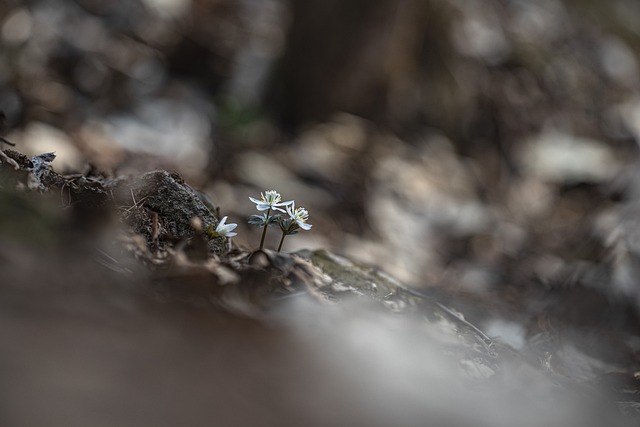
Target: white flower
[270,200]
[299,215]
[225,229]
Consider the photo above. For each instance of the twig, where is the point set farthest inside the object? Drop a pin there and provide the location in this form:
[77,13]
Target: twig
[9,160]
[6,141]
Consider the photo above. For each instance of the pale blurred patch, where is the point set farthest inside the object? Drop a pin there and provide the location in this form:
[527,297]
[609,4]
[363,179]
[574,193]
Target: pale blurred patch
[563,158]
[17,27]
[39,138]
[166,128]
[168,8]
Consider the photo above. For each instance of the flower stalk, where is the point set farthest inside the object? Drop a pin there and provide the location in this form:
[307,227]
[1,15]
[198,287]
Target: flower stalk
[264,231]
[281,241]
[297,220]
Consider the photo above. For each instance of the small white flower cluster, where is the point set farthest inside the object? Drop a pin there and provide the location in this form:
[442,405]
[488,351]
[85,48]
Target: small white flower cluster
[271,201]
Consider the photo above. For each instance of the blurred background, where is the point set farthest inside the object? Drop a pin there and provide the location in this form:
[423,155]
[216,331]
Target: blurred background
[485,147]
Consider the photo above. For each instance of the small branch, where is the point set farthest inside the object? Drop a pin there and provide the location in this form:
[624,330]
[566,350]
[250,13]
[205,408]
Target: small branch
[9,160]
[6,141]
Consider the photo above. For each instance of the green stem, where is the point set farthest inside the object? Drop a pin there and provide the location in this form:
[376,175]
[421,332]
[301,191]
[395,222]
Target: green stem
[281,240]
[264,232]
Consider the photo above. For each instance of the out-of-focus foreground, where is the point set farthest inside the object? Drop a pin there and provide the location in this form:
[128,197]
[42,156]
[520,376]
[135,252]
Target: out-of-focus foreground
[483,151]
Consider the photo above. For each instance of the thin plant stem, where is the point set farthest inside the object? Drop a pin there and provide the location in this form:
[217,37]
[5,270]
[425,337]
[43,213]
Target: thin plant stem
[264,232]
[281,240]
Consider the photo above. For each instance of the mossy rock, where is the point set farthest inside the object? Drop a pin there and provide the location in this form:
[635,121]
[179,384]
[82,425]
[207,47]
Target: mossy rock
[176,205]
[338,278]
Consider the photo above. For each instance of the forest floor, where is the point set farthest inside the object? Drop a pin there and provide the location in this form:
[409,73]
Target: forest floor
[118,308]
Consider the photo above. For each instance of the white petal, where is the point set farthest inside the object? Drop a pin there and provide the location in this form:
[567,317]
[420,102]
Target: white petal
[304,225]
[291,208]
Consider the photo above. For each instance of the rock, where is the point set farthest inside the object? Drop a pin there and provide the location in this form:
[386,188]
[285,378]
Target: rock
[175,203]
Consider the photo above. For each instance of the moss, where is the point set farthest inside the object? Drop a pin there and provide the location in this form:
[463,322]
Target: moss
[348,277]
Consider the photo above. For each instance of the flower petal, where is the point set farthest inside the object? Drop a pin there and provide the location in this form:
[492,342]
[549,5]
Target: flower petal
[224,229]
[291,208]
